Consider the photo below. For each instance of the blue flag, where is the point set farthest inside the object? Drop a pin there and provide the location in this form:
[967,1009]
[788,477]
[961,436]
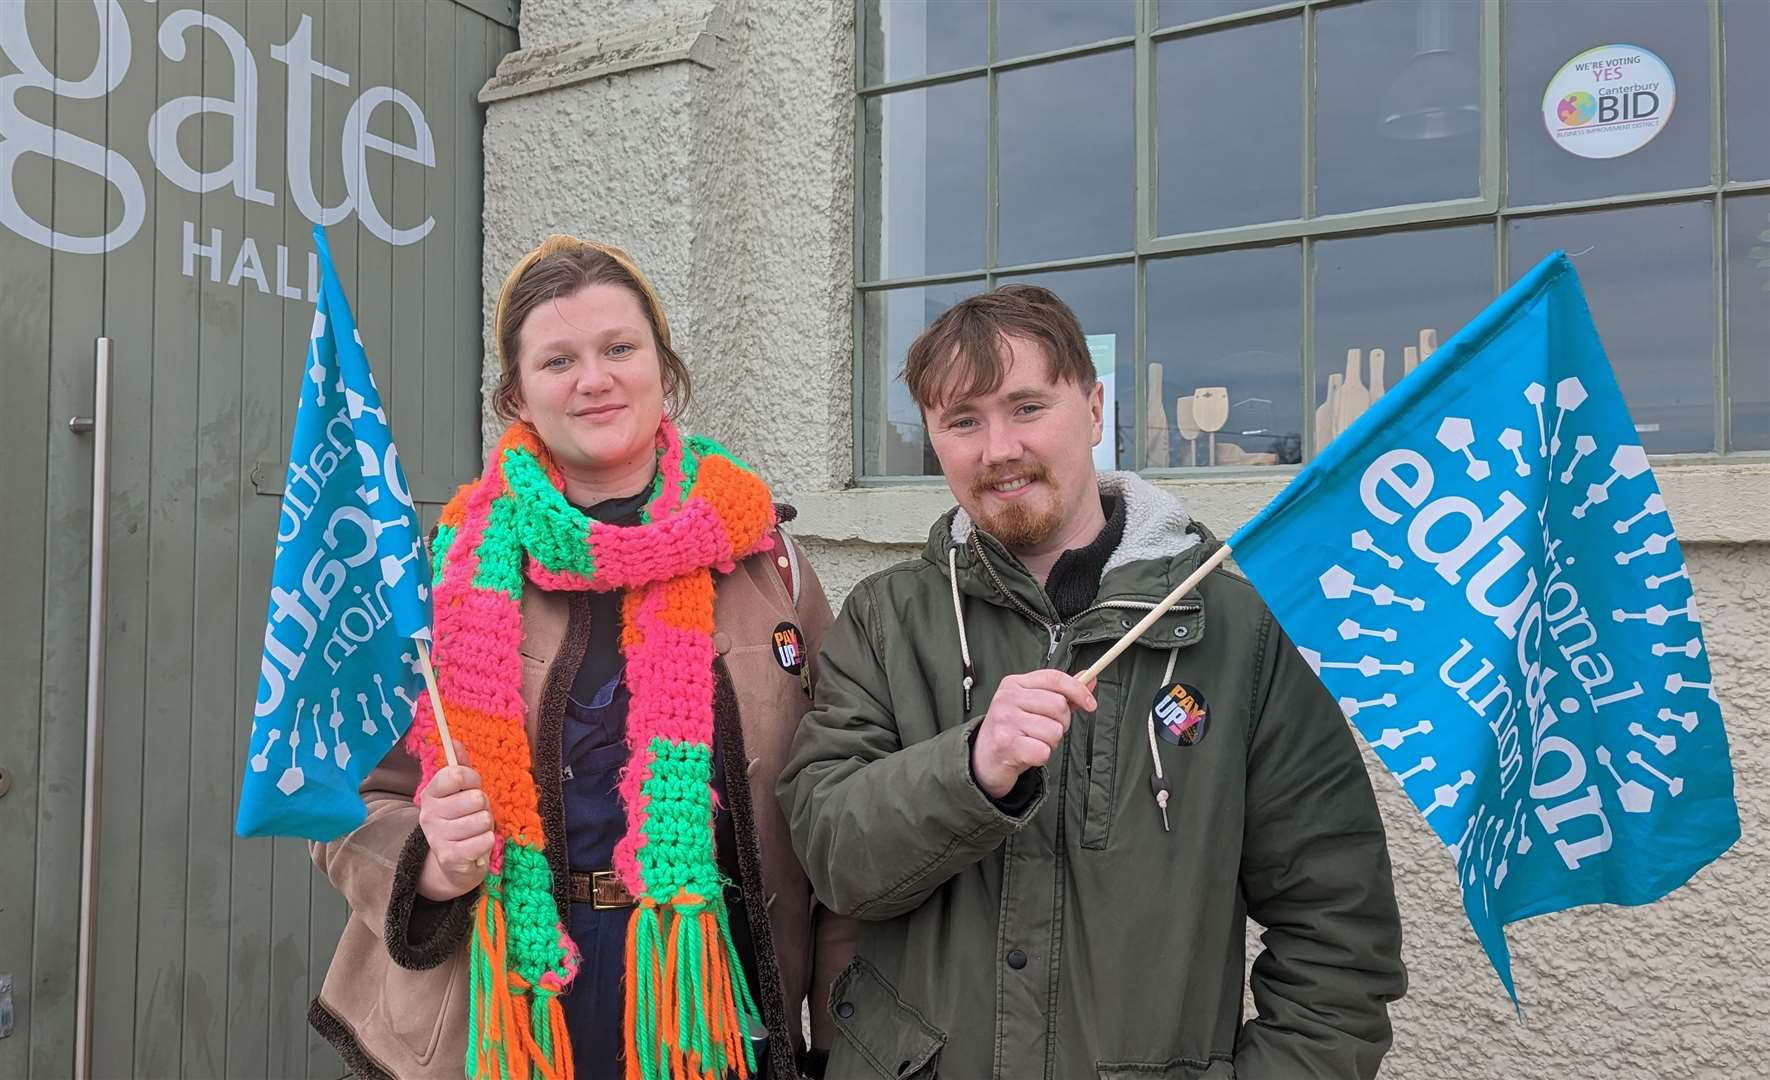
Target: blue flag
[1482,571]
[349,593]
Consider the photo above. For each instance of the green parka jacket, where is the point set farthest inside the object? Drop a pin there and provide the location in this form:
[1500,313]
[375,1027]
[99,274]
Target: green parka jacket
[1081,939]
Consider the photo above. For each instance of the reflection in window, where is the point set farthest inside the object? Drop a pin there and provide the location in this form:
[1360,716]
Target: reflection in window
[1541,38]
[1748,322]
[1394,92]
[896,440]
[1229,141]
[906,39]
[1648,275]
[1026,27]
[1382,304]
[1101,297]
[1176,12]
[925,180]
[1397,104]
[1745,36]
[1064,159]
[1225,330]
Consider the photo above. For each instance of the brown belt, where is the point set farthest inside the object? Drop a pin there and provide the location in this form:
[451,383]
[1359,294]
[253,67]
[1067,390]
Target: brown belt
[601,889]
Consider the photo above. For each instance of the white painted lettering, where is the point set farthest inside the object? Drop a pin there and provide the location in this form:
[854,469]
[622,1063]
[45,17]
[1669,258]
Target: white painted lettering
[358,138]
[33,81]
[21,135]
[194,251]
[283,289]
[249,265]
[297,55]
[242,114]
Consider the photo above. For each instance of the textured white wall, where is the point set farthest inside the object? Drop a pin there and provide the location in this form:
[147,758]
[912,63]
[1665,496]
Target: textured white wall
[729,187]
[733,189]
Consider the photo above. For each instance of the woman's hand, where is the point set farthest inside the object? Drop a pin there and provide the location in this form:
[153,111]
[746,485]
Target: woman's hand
[457,820]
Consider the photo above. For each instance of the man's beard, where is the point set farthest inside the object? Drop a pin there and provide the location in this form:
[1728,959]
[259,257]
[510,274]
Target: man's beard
[1016,525]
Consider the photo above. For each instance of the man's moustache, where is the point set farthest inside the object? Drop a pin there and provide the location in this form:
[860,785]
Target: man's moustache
[983,484]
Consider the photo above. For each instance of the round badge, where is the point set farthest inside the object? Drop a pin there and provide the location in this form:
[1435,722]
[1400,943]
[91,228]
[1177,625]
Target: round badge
[1609,101]
[789,648]
[1181,714]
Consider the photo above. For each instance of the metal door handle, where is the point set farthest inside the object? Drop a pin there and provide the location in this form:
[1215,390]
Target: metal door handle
[98,425]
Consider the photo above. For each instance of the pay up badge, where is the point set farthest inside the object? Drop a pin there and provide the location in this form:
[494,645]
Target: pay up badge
[789,653]
[1181,714]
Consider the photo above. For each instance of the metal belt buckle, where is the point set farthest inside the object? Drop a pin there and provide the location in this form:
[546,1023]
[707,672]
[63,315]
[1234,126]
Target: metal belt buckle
[606,891]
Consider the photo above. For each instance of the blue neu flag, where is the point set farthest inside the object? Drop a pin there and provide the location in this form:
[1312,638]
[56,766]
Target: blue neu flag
[1482,571]
[349,594]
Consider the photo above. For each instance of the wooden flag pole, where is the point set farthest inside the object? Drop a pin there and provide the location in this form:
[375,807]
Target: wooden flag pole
[1087,677]
[436,709]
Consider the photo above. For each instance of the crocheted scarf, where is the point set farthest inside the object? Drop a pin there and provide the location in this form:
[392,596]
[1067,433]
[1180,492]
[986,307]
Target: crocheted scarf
[688,1005]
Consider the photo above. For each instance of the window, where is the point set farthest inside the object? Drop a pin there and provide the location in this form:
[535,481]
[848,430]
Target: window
[1225,324]
[1237,160]
[1280,207]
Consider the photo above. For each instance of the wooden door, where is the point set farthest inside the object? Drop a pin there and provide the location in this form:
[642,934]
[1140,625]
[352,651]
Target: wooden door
[151,193]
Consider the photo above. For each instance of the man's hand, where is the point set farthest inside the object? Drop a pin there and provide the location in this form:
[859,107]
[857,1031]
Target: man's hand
[1026,719]
[457,820]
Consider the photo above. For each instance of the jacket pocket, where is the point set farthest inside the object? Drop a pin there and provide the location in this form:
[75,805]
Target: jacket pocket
[1179,1069]
[1101,803]
[415,1004]
[891,1036]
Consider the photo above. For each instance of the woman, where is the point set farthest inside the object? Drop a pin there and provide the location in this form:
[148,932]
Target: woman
[622,647]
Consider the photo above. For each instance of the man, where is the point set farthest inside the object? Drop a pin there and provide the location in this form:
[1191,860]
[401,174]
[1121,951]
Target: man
[1054,879]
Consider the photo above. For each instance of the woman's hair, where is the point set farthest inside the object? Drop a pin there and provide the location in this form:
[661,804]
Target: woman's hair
[561,266]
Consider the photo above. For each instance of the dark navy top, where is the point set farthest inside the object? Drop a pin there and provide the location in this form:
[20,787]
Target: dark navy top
[593,751]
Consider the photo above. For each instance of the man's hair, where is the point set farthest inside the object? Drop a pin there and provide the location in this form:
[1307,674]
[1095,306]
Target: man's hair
[960,355]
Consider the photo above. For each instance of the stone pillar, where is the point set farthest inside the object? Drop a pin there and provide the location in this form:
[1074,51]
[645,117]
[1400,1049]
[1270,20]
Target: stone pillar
[713,142]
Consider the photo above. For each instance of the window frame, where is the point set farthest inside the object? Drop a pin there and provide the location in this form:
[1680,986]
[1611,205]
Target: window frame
[1488,207]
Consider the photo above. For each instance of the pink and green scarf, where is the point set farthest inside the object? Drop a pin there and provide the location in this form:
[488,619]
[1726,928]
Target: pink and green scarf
[688,1004]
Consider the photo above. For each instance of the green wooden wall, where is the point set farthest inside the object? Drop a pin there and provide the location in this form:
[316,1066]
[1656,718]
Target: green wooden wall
[208,947]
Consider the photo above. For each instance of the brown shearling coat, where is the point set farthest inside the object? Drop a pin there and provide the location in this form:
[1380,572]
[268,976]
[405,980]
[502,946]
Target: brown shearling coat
[394,1001]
